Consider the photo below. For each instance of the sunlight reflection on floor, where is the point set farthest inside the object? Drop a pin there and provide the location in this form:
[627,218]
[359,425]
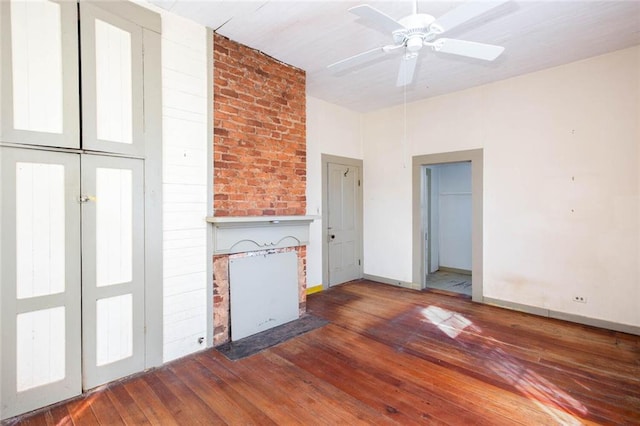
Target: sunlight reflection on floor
[80,408]
[558,404]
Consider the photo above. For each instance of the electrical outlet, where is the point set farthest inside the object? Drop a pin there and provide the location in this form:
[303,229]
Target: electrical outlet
[580,299]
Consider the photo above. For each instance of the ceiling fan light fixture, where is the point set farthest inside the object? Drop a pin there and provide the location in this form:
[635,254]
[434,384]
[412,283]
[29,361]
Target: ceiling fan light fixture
[414,43]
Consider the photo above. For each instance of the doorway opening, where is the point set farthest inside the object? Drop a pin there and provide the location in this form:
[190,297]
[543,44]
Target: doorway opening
[446,223]
[433,264]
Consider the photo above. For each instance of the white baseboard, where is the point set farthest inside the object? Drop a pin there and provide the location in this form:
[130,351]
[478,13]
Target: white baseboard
[397,283]
[579,319]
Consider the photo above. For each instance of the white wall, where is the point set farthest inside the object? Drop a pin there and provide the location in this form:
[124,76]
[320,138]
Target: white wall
[561,178]
[387,196]
[184,177]
[330,130]
[454,219]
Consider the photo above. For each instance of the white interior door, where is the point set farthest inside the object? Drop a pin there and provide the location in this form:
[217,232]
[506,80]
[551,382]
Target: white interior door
[342,224]
[112,268]
[40,280]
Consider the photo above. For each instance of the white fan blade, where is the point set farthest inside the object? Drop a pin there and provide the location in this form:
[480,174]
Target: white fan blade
[407,68]
[381,20]
[487,52]
[361,58]
[464,13]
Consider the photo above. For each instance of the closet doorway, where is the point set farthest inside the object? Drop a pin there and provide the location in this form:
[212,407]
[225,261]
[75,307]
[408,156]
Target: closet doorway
[447,227]
[426,261]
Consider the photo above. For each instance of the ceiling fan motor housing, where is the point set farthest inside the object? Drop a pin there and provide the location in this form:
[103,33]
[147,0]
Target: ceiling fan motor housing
[415,32]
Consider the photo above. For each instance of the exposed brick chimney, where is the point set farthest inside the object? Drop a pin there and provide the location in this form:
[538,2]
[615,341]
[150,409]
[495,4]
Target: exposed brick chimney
[259,146]
[260,157]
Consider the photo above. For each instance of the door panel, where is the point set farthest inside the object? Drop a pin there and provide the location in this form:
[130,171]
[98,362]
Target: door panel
[342,223]
[114,329]
[40,280]
[35,47]
[112,268]
[114,228]
[39,73]
[41,356]
[40,242]
[112,82]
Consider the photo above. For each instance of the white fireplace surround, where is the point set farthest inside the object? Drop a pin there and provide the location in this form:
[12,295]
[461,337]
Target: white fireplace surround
[250,233]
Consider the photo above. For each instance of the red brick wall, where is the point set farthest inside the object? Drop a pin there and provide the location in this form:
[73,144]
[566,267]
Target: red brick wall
[259,133]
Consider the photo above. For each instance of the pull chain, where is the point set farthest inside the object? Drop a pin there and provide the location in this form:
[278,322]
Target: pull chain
[404,121]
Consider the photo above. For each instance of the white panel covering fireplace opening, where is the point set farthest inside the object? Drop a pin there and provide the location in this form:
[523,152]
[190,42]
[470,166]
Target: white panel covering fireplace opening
[264,292]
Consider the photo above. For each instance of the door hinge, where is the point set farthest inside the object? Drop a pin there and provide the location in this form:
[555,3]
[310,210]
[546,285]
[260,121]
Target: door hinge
[358,182]
[359,264]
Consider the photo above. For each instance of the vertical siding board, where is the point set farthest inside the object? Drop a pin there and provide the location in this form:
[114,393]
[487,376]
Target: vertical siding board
[184,177]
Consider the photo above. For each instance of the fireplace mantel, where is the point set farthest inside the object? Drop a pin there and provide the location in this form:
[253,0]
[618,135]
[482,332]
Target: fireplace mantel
[250,233]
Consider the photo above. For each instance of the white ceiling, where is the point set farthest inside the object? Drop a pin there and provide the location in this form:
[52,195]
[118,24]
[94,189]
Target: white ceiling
[313,34]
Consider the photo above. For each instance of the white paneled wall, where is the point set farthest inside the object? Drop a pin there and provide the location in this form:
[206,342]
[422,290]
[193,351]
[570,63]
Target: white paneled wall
[184,178]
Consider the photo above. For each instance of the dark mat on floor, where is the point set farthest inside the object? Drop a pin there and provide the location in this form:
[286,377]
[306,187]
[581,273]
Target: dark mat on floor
[258,342]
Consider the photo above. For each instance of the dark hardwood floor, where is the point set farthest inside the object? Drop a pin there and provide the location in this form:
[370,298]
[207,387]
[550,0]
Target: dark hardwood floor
[388,356]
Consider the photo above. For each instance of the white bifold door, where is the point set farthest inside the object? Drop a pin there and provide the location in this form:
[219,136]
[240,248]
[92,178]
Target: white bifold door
[72,202]
[112,268]
[40,280]
[56,206]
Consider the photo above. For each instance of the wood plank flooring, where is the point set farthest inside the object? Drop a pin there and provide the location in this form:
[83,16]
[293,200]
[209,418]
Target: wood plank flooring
[389,356]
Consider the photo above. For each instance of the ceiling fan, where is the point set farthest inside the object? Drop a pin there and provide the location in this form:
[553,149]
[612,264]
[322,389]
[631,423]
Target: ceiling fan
[414,31]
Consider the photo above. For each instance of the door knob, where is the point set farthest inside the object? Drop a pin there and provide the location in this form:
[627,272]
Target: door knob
[86,198]
[333,237]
